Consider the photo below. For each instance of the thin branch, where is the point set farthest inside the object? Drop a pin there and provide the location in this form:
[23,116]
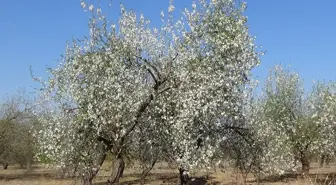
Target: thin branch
[170,66]
[155,73]
[164,90]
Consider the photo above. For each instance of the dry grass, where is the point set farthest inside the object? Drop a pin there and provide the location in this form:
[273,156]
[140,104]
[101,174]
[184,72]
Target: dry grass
[163,175]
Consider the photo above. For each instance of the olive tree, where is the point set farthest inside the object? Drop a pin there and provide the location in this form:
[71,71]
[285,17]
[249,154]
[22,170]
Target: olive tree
[323,98]
[147,148]
[291,125]
[185,79]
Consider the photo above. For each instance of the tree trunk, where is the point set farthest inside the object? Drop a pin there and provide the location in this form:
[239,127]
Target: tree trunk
[28,164]
[118,166]
[305,161]
[5,166]
[184,176]
[90,175]
[142,180]
[144,175]
[327,160]
[87,180]
[21,165]
[322,160]
[146,171]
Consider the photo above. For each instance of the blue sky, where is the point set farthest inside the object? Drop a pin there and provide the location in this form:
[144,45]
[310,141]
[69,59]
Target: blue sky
[34,32]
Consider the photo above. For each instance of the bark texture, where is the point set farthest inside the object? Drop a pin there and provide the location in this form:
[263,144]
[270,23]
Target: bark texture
[118,166]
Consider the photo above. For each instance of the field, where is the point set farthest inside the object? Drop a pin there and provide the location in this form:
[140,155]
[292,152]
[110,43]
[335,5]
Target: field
[163,175]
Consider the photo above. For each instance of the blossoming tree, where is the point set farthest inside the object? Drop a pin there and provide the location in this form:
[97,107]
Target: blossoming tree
[185,80]
[290,125]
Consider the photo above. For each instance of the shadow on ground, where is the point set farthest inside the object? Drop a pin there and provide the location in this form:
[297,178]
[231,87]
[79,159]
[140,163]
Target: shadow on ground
[323,179]
[168,178]
[157,178]
[28,175]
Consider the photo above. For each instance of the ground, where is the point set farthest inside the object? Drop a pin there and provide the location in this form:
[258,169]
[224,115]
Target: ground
[163,175]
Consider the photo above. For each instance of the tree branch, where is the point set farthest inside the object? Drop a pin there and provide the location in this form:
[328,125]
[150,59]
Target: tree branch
[104,140]
[153,71]
[139,112]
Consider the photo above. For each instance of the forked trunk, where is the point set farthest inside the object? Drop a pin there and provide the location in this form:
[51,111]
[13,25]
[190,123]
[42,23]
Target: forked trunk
[144,175]
[118,166]
[146,171]
[91,174]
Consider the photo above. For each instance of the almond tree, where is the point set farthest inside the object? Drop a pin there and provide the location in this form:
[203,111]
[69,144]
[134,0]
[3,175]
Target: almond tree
[16,127]
[187,79]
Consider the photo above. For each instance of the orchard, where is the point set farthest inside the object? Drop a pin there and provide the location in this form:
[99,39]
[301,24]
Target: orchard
[181,93]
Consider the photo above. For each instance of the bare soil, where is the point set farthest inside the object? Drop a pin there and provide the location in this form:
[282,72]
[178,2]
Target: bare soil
[163,175]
